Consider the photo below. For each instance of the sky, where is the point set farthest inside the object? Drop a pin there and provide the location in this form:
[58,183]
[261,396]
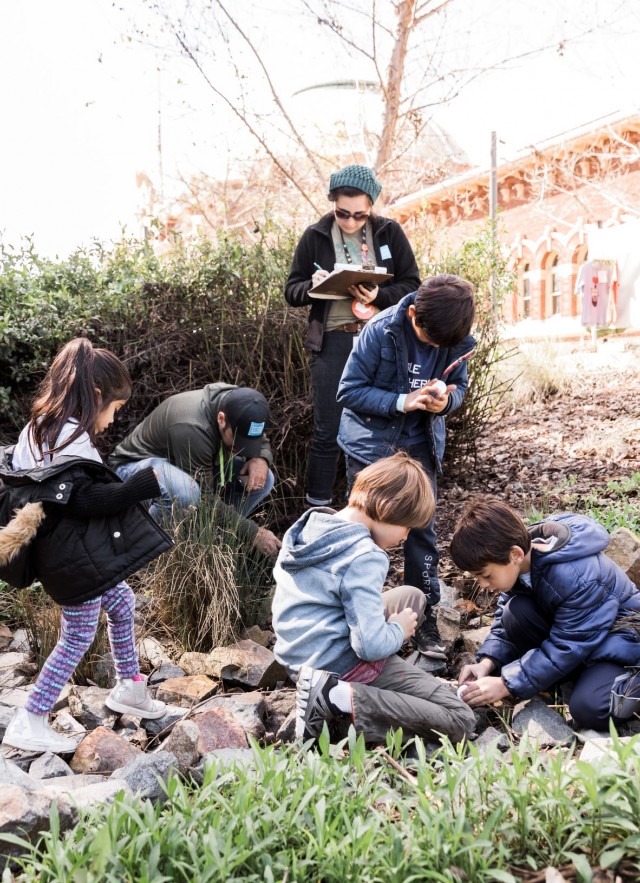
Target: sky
[83,94]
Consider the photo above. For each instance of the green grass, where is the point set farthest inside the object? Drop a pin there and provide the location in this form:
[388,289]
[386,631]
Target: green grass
[329,816]
[613,504]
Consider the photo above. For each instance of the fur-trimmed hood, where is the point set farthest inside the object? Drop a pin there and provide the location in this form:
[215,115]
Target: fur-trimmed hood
[20,531]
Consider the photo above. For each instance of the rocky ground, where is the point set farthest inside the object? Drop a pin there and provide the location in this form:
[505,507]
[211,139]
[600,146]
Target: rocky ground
[541,456]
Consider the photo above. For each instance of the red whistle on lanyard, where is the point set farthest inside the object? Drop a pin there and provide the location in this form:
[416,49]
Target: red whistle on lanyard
[457,362]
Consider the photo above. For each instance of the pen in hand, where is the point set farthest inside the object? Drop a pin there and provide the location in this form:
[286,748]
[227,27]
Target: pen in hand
[317,266]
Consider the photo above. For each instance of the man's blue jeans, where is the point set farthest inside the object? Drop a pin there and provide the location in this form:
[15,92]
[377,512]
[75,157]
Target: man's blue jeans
[420,551]
[179,489]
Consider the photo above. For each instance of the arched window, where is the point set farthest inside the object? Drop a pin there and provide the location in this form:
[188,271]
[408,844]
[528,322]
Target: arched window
[525,290]
[556,288]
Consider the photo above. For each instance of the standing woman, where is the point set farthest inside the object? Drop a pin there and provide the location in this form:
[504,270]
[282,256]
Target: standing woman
[349,234]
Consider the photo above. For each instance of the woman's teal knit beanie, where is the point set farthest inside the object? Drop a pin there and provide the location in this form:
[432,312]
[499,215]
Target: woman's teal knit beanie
[360,177]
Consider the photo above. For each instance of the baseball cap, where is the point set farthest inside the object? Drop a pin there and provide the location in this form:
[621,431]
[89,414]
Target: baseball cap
[247,413]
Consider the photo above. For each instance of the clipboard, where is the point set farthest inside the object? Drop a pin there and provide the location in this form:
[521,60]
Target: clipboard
[335,286]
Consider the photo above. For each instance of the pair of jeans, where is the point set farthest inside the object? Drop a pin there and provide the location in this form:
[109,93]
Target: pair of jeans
[405,696]
[326,370]
[180,489]
[420,550]
[527,627]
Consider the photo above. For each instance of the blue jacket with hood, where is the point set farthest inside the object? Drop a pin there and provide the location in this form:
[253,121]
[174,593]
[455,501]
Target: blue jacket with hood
[327,608]
[587,597]
[376,374]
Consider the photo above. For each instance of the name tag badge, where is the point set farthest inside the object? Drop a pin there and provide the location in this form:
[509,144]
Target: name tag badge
[385,253]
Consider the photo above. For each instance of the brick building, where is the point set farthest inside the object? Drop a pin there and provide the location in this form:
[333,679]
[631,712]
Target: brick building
[554,203]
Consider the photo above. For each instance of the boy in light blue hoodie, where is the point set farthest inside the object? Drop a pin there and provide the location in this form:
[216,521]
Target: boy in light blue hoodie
[338,634]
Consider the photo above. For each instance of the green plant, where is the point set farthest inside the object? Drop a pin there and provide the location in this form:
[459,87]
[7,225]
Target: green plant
[326,815]
[209,584]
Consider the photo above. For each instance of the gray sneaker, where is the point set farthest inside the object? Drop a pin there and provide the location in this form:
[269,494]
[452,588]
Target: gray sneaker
[313,706]
[131,697]
[32,732]
[427,639]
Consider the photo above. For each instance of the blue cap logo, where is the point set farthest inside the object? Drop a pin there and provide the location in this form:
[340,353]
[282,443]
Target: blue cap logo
[256,429]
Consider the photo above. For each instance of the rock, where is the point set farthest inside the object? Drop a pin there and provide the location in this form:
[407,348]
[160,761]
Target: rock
[218,730]
[20,641]
[246,664]
[187,691]
[67,784]
[541,723]
[173,714]
[6,713]
[247,709]
[195,663]
[146,774]
[474,638]
[164,673]
[15,698]
[65,723]
[6,637]
[259,636]
[22,759]
[87,706]
[448,597]
[153,652]
[14,670]
[13,678]
[223,758]
[624,549]
[63,699]
[599,750]
[49,766]
[26,813]
[491,738]
[92,795]
[130,729]
[102,751]
[448,619]
[11,774]
[286,732]
[182,743]
[279,704]
[425,663]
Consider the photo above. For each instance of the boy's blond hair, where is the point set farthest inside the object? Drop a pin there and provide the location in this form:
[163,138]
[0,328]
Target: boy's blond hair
[395,490]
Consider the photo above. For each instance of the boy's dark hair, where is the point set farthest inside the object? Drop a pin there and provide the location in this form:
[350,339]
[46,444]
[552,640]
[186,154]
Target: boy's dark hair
[395,490]
[445,308]
[485,534]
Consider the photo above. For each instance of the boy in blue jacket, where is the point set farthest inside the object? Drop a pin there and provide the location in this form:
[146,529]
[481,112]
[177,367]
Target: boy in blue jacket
[389,391]
[338,634]
[566,612]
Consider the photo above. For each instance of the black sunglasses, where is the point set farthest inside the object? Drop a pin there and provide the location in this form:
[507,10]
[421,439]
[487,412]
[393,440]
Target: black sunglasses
[344,215]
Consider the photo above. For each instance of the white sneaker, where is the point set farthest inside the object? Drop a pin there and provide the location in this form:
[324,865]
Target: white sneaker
[32,732]
[131,697]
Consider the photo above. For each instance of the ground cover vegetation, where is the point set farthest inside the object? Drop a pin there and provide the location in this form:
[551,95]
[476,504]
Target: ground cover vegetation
[353,815]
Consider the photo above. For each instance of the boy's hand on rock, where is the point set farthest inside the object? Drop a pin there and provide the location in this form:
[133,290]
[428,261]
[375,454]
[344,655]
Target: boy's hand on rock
[407,619]
[469,673]
[267,542]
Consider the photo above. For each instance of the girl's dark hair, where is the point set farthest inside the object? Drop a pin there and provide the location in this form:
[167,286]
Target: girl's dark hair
[69,390]
[485,533]
[445,308]
[332,195]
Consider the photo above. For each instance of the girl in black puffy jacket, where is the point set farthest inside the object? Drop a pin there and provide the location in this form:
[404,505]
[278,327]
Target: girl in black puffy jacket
[81,530]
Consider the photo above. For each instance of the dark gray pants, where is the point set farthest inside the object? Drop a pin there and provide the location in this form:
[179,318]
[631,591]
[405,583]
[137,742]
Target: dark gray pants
[404,696]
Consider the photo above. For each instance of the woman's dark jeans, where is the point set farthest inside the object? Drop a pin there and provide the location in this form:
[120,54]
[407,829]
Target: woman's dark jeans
[326,370]
[527,627]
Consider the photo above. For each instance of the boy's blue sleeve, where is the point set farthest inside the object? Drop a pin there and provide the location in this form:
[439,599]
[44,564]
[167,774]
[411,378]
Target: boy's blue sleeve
[460,377]
[356,389]
[370,635]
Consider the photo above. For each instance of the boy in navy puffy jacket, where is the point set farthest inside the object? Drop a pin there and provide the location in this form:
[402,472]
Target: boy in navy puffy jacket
[566,612]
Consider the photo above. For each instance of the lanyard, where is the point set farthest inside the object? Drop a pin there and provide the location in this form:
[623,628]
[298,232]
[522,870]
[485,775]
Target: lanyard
[364,248]
[221,465]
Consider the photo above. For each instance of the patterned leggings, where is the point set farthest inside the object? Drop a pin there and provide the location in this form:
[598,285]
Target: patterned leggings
[78,629]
